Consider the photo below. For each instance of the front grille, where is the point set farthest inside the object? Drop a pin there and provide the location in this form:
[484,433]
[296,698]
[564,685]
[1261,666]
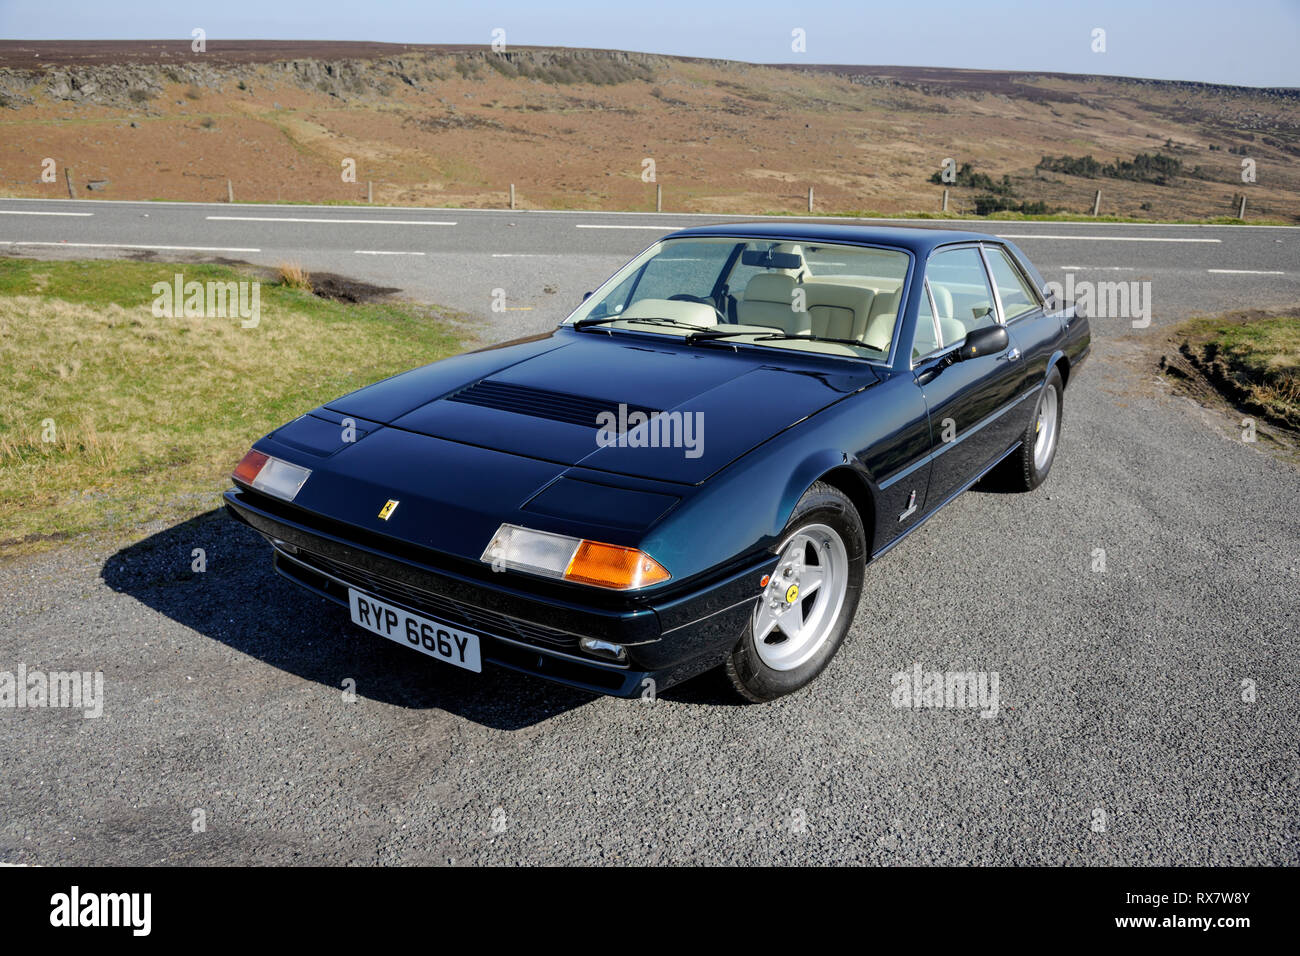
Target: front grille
[454,612]
[543,403]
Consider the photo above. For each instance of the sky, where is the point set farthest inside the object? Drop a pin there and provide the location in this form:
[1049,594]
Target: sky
[1246,42]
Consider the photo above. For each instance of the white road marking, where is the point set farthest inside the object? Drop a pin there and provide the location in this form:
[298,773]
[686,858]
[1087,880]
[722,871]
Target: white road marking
[383,252]
[1247,272]
[157,204]
[123,245]
[363,222]
[1040,235]
[528,255]
[658,228]
[1102,268]
[28,212]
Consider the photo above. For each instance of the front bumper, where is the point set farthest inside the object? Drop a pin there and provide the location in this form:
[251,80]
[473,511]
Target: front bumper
[668,638]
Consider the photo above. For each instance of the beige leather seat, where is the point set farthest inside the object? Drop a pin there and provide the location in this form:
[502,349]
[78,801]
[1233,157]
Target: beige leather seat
[769,301]
[880,321]
[691,313]
[951,328]
[838,311]
[832,309]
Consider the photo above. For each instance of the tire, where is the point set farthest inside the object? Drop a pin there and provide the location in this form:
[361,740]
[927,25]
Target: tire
[1029,465]
[824,540]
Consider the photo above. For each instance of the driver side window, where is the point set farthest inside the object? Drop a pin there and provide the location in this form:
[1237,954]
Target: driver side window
[926,339]
[963,297]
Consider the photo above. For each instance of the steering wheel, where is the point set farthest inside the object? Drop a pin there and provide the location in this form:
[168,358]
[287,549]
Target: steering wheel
[702,300]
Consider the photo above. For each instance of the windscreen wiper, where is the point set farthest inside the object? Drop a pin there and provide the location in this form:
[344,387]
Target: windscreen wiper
[649,320]
[708,335]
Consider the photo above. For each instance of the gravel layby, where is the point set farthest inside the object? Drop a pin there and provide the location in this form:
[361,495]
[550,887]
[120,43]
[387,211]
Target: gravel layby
[1122,736]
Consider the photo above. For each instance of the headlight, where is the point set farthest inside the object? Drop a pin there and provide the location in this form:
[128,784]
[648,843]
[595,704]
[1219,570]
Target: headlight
[572,559]
[274,476]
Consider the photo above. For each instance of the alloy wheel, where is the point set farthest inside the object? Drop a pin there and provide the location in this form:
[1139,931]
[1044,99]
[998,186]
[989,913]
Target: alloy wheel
[802,600]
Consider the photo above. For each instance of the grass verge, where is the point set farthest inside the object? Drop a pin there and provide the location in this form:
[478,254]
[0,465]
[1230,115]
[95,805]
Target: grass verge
[1251,359]
[112,418]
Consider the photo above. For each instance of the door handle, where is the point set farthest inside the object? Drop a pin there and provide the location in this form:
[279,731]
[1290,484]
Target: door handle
[1012,356]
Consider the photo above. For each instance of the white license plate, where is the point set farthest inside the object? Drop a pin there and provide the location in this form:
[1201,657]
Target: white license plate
[427,636]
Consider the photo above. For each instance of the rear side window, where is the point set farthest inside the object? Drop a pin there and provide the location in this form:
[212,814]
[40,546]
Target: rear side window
[1017,294]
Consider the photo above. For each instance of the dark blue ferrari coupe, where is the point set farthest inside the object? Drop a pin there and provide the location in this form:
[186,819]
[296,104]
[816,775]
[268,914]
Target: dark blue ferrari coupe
[694,470]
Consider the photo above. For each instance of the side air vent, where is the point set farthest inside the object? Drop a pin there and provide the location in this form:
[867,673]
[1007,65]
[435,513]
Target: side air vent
[544,403]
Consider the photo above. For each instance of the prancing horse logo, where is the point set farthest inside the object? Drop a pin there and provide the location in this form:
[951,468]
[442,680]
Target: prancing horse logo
[387,510]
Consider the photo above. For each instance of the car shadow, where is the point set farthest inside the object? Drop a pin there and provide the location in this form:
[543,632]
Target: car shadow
[239,600]
[999,481]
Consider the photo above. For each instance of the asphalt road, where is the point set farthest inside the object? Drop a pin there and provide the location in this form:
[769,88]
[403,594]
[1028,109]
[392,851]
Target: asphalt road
[1122,734]
[545,261]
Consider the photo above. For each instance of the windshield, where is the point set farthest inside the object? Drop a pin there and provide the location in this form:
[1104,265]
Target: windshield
[816,297]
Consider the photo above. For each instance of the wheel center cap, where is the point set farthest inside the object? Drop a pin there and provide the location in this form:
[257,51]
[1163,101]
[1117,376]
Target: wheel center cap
[792,594]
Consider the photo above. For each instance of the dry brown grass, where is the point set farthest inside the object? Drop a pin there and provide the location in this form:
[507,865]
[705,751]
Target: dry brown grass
[727,138]
[294,276]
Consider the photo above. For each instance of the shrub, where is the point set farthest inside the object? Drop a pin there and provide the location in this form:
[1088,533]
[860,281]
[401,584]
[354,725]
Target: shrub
[1144,167]
[967,177]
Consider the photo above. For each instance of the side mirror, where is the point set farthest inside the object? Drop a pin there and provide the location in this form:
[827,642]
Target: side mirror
[586,296]
[989,340]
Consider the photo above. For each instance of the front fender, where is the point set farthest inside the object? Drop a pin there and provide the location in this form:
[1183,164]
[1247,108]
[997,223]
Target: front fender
[744,509]
[829,465]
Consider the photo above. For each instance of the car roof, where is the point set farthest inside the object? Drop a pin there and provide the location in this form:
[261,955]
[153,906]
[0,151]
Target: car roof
[919,240]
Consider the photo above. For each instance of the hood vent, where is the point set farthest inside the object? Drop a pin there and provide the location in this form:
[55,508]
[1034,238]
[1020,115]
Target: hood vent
[544,403]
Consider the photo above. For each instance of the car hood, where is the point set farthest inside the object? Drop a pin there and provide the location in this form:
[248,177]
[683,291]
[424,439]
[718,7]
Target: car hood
[574,399]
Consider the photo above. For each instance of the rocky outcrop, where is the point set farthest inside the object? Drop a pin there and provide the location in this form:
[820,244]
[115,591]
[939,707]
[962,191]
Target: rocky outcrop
[134,85]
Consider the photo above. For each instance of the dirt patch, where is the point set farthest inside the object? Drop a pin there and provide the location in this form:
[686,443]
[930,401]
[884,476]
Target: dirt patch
[329,285]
